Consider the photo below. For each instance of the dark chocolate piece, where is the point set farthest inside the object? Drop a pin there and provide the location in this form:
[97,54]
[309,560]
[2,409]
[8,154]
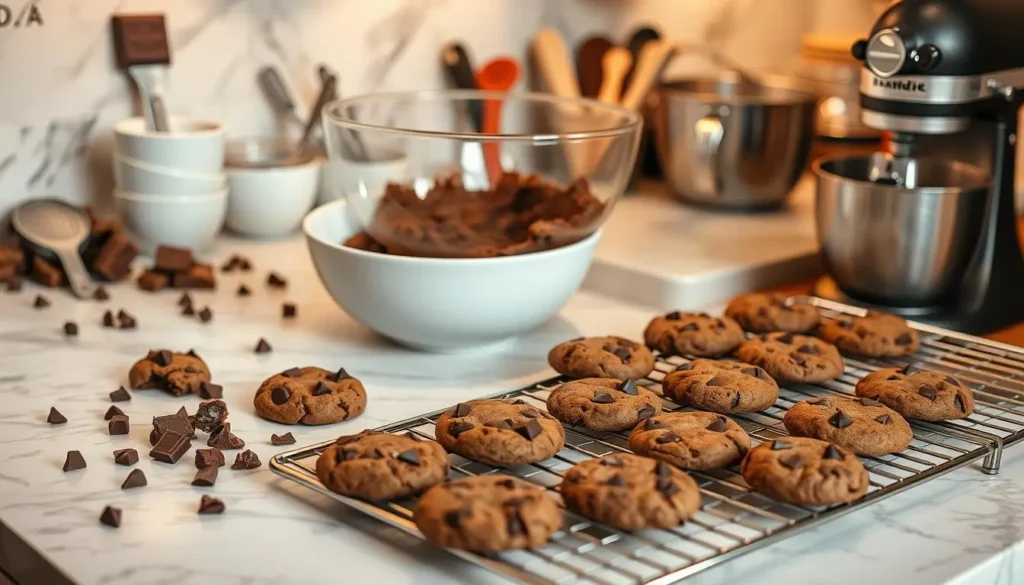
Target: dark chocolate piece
[808,349]
[292,373]
[280,395]
[198,276]
[461,409]
[206,315]
[114,259]
[118,425]
[45,273]
[832,453]
[262,346]
[162,358]
[515,524]
[952,381]
[666,486]
[719,425]
[338,376]
[646,411]
[321,388]
[171,259]
[210,415]
[112,412]
[55,417]
[71,329]
[223,438]
[205,477]
[602,398]
[209,458]
[170,447]
[276,281]
[884,419]
[786,338]
[175,423]
[690,327]
[208,505]
[120,395]
[111,517]
[454,518]
[289,310]
[127,457]
[185,300]
[818,401]
[904,339]
[125,321]
[100,294]
[652,424]
[504,424]
[457,428]
[135,479]
[791,461]
[529,430]
[74,461]
[285,439]
[662,469]
[153,281]
[928,391]
[611,462]
[246,460]
[208,390]
[840,420]
[108,319]
[629,387]
[715,381]
[958,400]
[410,456]
[616,480]
[41,302]
[755,372]
[674,316]
[870,402]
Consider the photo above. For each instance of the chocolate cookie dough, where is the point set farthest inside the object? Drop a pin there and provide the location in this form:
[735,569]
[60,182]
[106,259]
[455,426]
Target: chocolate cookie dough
[603,404]
[602,357]
[862,425]
[175,373]
[917,393]
[696,334]
[874,335]
[500,432]
[310,396]
[805,471]
[767,312]
[691,439]
[721,386]
[381,466]
[793,358]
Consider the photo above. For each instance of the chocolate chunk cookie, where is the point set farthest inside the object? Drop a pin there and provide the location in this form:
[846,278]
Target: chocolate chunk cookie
[487,513]
[805,471]
[603,404]
[767,312]
[500,432]
[691,440]
[862,425]
[310,396]
[721,386]
[793,358]
[602,357]
[630,492]
[875,335]
[175,373]
[917,393]
[697,334]
[381,466]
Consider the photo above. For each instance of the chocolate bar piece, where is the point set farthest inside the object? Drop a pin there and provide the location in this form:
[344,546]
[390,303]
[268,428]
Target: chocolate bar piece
[197,276]
[114,260]
[170,447]
[171,259]
[153,281]
[140,39]
[46,273]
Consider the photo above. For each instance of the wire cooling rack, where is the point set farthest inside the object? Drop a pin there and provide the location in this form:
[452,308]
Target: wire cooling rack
[732,519]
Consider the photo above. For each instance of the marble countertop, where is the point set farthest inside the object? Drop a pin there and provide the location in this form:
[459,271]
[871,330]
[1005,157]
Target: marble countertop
[962,528]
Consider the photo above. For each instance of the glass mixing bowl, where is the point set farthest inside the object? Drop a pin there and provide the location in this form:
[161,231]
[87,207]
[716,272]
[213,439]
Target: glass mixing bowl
[423,180]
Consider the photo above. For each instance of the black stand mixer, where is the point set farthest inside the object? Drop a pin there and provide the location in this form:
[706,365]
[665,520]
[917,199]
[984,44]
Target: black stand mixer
[912,231]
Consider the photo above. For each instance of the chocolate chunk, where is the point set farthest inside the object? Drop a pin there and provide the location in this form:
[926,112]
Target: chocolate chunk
[285,439]
[628,387]
[689,327]
[461,409]
[55,417]
[244,264]
[112,412]
[668,437]
[958,400]
[276,281]
[118,425]
[198,276]
[645,411]
[832,453]
[504,424]
[188,311]
[125,321]
[74,461]
[210,415]
[192,353]
[951,381]
[616,480]
[185,300]
[623,353]
[755,372]
[662,469]
[289,310]
[175,423]
[531,413]
[262,346]
[719,425]
[798,360]
[454,518]
[41,302]
[410,456]
[685,367]
[135,479]
[715,381]
[910,369]
[108,319]
[223,438]
[153,281]
[205,477]
[126,457]
[70,329]
[111,517]
[529,430]
[292,373]
[206,315]
[170,447]
[171,259]
[884,419]
[808,349]
[208,505]
[928,391]
[903,340]
[515,524]
[840,420]
[736,400]
[243,291]
[786,338]
[602,398]
[230,265]
[611,462]
[246,460]
[209,458]
[870,402]
[457,428]
[818,401]
[674,316]
[120,395]
[162,358]
[791,461]
[14,285]
[338,376]
[780,445]
[46,274]
[666,486]
[652,424]
[209,391]
[321,388]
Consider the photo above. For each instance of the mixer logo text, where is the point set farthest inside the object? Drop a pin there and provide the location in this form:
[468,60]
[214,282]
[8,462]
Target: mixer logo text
[905,85]
[25,16]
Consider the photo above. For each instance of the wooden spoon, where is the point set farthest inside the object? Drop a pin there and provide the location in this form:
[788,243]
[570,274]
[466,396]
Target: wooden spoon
[500,75]
[590,64]
[555,63]
[615,64]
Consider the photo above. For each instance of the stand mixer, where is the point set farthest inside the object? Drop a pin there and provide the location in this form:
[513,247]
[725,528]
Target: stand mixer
[925,229]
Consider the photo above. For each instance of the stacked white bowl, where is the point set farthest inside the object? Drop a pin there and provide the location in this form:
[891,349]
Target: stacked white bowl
[170,186]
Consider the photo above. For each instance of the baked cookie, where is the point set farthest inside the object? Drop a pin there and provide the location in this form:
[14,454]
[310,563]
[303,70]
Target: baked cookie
[500,432]
[805,471]
[721,386]
[697,334]
[792,357]
[630,492]
[874,335]
[917,393]
[310,396]
[691,440]
[487,513]
[862,425]
[175,373]
[767,312]
[381,466]
[603,404]
[602,357]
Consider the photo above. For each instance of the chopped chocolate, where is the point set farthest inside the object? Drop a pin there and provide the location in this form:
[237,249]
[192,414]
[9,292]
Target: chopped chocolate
[206,315]
[780,445]
[185,300]
[461,409]
[162,357]
[320,389]
[41,302]
[243,291]
[55,417]
[529,430]
[870,402]
[46,274]
[125,321]
[114,259]
[126,457]
[602,398]
[719,425]
[616,480]
[223,438]
[840,420]
[120,395]
[410,456]
[276,281]
[884,419]
[340,375]
[188,311]
[170,447]
[280,395]
[153,281]
[208,505]
[832,453]
[791,461]
[112,412]
[210,415]
[928,391]
[629,387]
[652,424]
[118,425]
[230,265]
[198,276]
[262,346]
[690,327]
[505,424]
[674,316]
[285,439]
[668,437]
[171,259]
[645,411]
[787,338]
[611,462]
[246,460]
[74,461]
[111,517]
[135,479]
[205,477]
[208,391]
[292,373]
[457,428]
[209,458]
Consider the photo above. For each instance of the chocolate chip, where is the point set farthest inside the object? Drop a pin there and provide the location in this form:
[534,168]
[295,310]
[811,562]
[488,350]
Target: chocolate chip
[689,327]
[55,417]
[818,401]
[798,360]
[100,294]
[170,447]
[506,483]
[127,457]
[903,340]
[205,477]
[108,319]
[112,412]
[125,321]
[892,378]
[410,456]
[515,524]
[668,437]
[628,387]
[41,302]
[135,479]
[884,419]
[910,369]
[246,460]
[786,338]
[684,367]
[832,453]
[780,445]
[280,395]
[454,518]
[623,353]
[292,373]
[928,391]
[808,349]
[870,402]
[715,381]
[529,430]
[285,439]
[185,300]
[667,487]
[504,424]
[205,315]
[188,311]
[755,372]
[321,388]
[276,281]
[518,401]
[959,402]
[719,324]
[674,316]
[208,391]
[345,455]
[840,420]
[208,505]
[845,324]
[791,461]
[611,462]
[616,480]
[652,424]
[162,358]
[71,329]
[645,411]
[461,409]
[118,425]
[457,428]
[111,517]
[719,425]
[209,458]
[338,376]
[243,291]
[736,400]
[602,398]
[262,346]
[74,461]
[662,469]
[289,310]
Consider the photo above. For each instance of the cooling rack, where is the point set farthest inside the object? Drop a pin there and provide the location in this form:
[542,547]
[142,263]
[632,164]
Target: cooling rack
[732,519]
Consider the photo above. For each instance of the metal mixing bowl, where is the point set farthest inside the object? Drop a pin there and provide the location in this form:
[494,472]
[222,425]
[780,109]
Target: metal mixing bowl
[729,144]
[895,246]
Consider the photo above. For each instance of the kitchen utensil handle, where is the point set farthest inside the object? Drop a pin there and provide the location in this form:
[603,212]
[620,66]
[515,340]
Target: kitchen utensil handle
[160,122]
[615,64]
[78,276]
[650,63]
[461,75]
[326,95]
[555,63]
[492,148]
[272,84]
[708,133]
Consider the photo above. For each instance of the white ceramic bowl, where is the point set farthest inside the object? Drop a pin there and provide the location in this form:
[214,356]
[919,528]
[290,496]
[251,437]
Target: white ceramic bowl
[139,177]
[192,145]
[271,201]
[439,304]
[187,221]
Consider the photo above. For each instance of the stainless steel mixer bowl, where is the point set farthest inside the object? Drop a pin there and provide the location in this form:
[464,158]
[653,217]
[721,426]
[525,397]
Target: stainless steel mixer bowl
[894,246]
[729,144]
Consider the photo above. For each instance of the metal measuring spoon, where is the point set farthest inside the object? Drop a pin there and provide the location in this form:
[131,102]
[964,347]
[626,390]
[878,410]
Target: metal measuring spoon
[53,227]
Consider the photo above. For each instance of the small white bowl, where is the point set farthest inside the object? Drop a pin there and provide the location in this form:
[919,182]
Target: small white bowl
[139,177]
[271,201]
[442,305]
[192,145]
[186,221]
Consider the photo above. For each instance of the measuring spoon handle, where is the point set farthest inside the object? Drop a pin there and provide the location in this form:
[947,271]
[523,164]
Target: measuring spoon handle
[78,276]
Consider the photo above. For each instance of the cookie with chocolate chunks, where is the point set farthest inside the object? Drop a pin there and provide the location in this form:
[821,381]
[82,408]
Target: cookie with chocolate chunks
[721,386]
[793,358]
[310,396]
[602,357]
[380,466]
[691,440]
[917,393]
[603,404]
[487,513]
[630,492]
[696,334]
[767,312]
[874,335]
[172,372]
[504,433]
[862,425]
[805,471]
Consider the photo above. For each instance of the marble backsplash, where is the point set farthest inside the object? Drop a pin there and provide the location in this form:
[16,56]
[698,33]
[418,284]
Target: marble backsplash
[61,92]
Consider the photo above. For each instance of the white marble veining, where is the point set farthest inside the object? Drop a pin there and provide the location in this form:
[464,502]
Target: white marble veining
[964,528]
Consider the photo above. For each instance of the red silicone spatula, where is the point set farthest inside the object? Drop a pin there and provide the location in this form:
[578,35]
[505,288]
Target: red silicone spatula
[499,74]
